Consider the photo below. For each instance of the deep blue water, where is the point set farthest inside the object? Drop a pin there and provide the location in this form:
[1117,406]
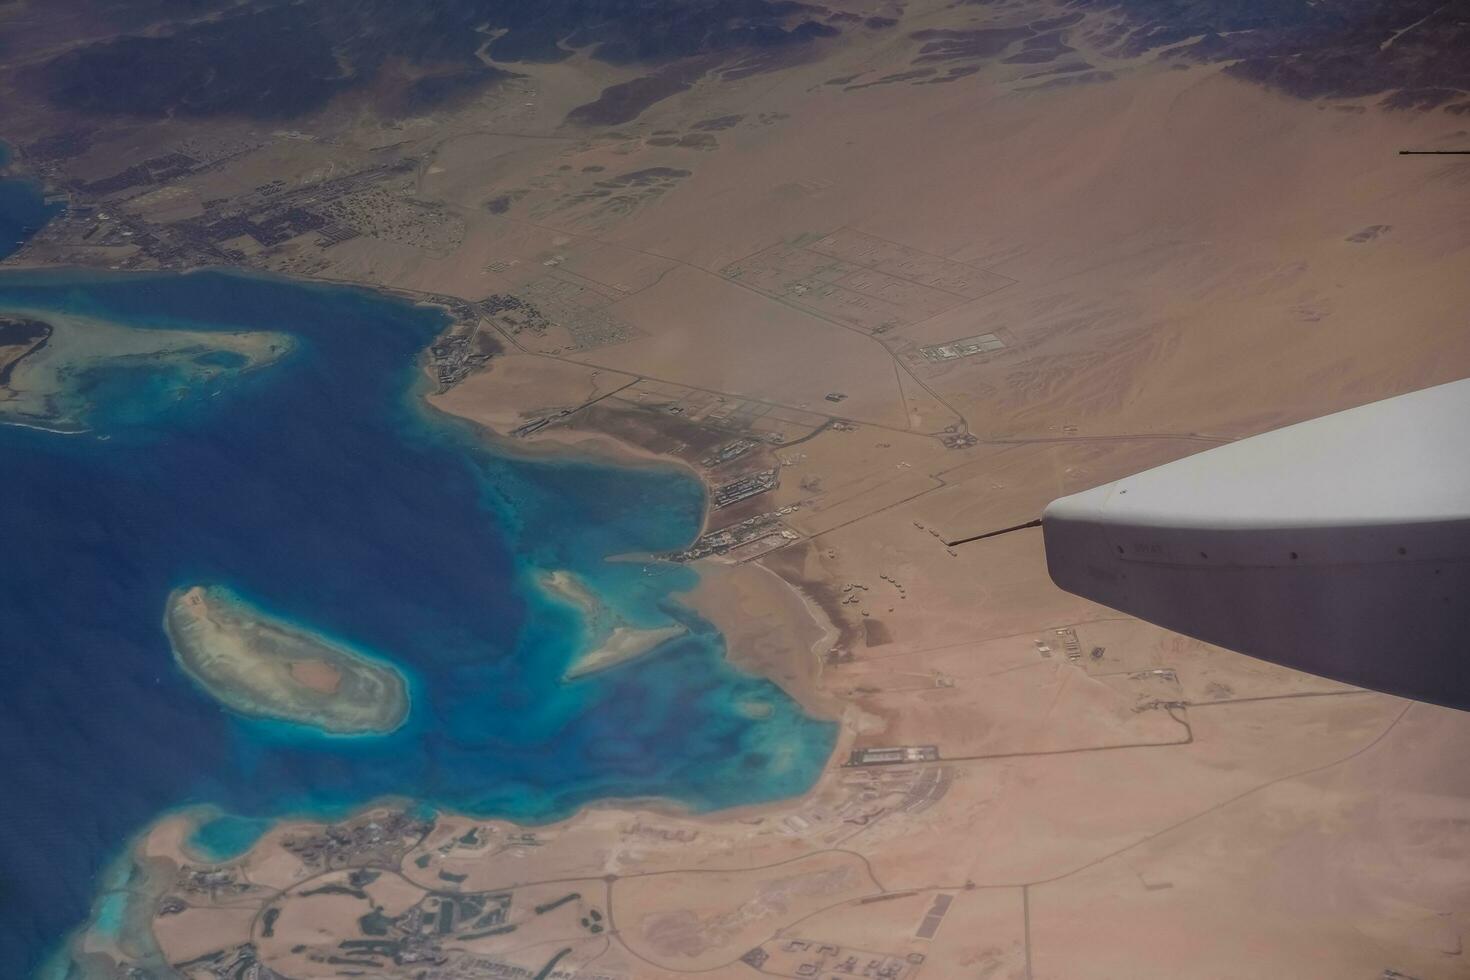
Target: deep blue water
[23,208]
[322,489]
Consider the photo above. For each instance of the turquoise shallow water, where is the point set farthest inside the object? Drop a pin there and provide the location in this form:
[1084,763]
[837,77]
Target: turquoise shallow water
[325,492]
[226,836]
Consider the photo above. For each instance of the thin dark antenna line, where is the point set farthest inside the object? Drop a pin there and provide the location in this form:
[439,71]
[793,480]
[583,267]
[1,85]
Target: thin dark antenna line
[991,534]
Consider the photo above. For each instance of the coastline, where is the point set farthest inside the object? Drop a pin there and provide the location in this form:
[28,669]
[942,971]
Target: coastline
[261,666]
[707,599]
[557,442]
[824,281]
[725,589]
[600,447]
[771,629]
[552,442]
[43,387]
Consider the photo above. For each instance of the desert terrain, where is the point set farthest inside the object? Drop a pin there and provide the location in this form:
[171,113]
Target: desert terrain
[883,292]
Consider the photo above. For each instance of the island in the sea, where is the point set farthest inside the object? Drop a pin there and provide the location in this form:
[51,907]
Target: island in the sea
[56,371]
[614,641]
[261,666]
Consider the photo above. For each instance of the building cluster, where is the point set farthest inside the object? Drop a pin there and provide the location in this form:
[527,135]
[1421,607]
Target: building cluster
[1067,636]
[729,452]
[809,958]
[514,313]
[571,304]
[729,538]
[374,953]
[152,171]
[416,936]
[985,343]
[748,486]
[382,838]
[106,212]
[893,755]
[210,881]
[266,227]
[928,787]
[454,357]
[234,963]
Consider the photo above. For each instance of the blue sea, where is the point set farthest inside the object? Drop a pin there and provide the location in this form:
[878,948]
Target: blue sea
[23,208]
[325,491]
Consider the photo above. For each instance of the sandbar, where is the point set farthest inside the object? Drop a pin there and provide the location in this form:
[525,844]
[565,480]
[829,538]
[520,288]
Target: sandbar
[615,641]
[623,644]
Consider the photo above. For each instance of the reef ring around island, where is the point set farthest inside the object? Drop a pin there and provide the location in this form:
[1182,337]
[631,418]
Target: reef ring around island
[320,487]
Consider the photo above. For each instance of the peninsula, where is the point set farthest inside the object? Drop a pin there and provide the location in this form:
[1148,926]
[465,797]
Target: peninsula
[263,667]
[614,641]
[54,372]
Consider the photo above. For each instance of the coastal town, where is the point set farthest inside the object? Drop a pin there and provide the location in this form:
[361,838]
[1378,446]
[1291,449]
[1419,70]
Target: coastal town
[835,291]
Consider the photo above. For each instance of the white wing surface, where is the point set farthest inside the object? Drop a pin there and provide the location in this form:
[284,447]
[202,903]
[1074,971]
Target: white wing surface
[1339,546]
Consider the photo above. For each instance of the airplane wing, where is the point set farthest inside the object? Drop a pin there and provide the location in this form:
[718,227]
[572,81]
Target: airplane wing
[1338,546]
